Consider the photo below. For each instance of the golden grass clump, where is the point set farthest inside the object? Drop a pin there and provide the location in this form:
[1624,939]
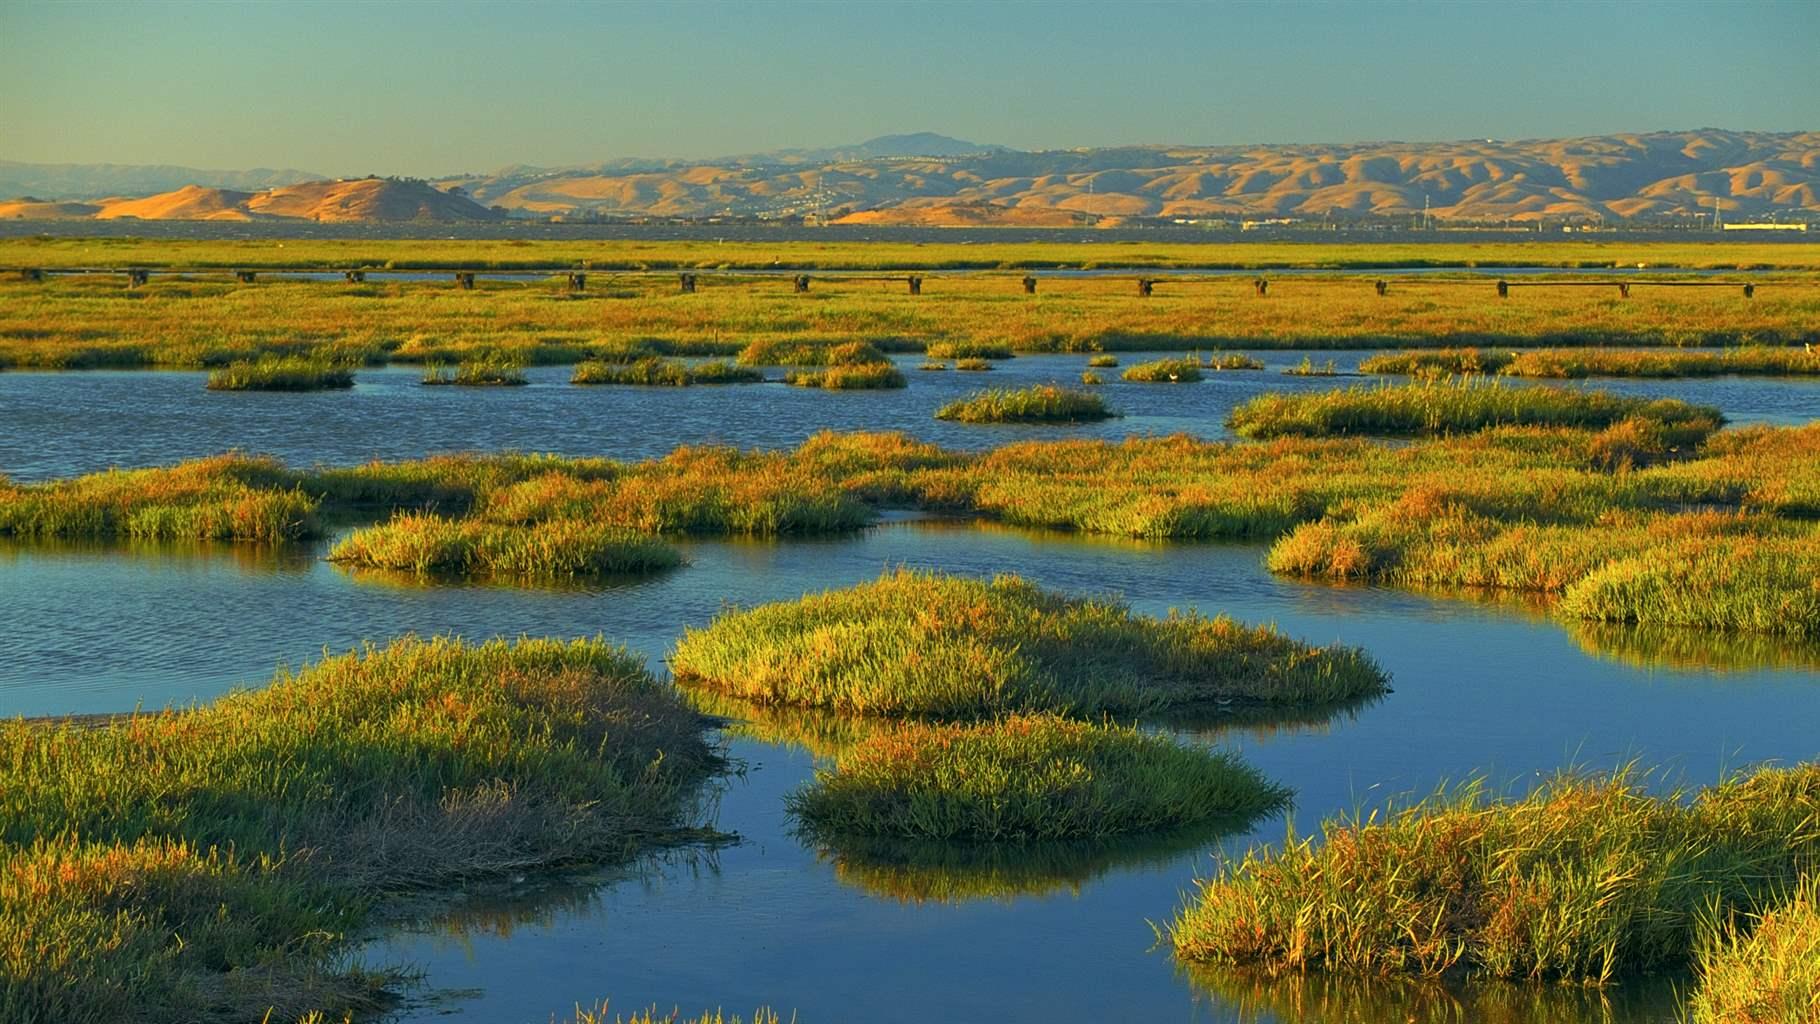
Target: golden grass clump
[1587,878]
[294,373]
[227,497]
[925,644]
[850,377]
[423,542]
[1025,778]
[1165,371]
[481,372]
[1040,403]
[1434,407]
[656,371]
[1765,970]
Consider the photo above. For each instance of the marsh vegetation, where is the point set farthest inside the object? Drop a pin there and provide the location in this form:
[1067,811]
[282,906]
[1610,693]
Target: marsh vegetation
[1043,403]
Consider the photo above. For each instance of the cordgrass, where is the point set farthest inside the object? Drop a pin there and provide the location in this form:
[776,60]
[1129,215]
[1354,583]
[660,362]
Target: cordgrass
[1309,368]
[1091,379]
[227,497]
[973,365]
[932,365]
[1025,778]
[1767,972]
[1040,403]
[1103,361]
[842,377]
[1434,407]
[478,373]
[280,374]
[1232,361]
[1588,878]
[655,371]
[810,352]
[1754,360]
[547,549]
[925,644]
[1165,371]
[210,864]
[968,350]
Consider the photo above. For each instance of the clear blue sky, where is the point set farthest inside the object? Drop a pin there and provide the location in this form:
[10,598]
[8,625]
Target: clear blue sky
[423,88]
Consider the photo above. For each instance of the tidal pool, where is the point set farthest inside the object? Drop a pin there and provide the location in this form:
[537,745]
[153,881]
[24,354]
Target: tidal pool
[1489,687]
[69,423]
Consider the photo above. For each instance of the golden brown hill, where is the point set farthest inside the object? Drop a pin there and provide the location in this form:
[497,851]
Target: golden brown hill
[1748,174]
[364,199]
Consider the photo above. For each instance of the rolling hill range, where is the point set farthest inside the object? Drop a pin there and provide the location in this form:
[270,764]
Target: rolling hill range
[357,200]
[1614,177]
[926,179]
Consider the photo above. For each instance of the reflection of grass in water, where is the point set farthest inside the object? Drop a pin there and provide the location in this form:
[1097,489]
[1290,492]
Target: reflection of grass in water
[1260,722]
[1294,998]
[405,579]
[935,872]
[1651,647]
[823,734]
[249,558]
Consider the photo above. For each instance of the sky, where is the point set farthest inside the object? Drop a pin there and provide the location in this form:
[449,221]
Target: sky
[427,89]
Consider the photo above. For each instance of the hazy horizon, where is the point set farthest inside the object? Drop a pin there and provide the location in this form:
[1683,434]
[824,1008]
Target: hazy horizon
[430,91]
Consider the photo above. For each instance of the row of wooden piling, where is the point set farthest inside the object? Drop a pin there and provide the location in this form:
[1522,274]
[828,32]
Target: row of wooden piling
[688,282]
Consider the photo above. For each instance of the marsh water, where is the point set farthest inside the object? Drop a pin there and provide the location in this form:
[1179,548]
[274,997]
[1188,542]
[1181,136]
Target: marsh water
[60,423]
[1498,688]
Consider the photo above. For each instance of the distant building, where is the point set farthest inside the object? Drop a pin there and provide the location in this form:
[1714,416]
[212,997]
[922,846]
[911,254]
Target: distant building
[1765,227]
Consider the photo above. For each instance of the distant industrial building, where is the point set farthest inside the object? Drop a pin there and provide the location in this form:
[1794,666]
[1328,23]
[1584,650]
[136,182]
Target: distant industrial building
[1764,227]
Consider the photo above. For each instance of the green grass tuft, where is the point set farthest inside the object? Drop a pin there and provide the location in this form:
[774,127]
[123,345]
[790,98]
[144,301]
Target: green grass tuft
[1165,371]
[1041,403]
[548,549]
[844,377]
[1767,972]
[653,371]
[280,374]
[1435,407]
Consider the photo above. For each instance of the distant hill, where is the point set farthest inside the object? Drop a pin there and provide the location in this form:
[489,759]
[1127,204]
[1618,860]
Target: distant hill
[99,181]
[1749,174]
[928,179]
[360,199]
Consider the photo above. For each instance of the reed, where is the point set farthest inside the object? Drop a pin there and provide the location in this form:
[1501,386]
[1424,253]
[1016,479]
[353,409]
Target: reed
[1041,403]
[923,644]
[1165,371]
[1022,779]
[1586,878]
[1765,970]
[1434,407]
[547,549]
[280,374]
[405,768]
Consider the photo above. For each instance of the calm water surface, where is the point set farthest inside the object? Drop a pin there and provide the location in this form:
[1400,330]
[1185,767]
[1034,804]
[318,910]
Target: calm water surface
[1499,689]
[63,424]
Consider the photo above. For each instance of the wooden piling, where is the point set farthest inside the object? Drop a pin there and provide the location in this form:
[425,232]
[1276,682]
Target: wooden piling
[465,281]
[686,283]
[31,274]
[354,276]
[577,281]
[1144,285]
[1750,291]
[136,277]
[1503,289]
[1261,286]
[1624,289]
[916,285]
[246,276]
[802,283]
[1383,286]
[1029,285]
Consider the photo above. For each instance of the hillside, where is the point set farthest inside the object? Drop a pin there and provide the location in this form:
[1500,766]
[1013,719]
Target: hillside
[362,200]
[1678,174]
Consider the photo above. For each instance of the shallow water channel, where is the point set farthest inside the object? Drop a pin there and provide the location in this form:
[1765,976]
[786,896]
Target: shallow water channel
[1480,687]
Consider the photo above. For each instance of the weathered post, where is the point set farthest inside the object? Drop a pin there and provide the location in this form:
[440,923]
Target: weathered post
[1144,285]
[1503,289]
[1623,289]
[465,280]
[1029,285]
[916,285]
[30,274]
[354,276]
[577,281]
[1261,286]
[136,277]
[687,283]
[802,283]
[1750,290]
[245,276]
[1383,286]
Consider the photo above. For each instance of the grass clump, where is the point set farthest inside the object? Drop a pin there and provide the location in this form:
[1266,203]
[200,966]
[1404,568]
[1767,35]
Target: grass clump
[1091,379]
[972,365]
[548,549]
[1435,407]
[1753,360]
[483,372]
[1025,778]
[1440,362]
[1103,361]
[658,372]
[1165,371]
[968,350]
[1309,368]
[1768,972]
[926,644]
[844,377]
[208,864]
[932,365]
[796,352]
[227,497]
[1232,361]
[1587,878]
[280,374]
[1042,403]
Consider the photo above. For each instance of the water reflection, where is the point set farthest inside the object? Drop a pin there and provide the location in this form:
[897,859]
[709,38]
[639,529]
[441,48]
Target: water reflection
[1671,647]
[1319,998]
